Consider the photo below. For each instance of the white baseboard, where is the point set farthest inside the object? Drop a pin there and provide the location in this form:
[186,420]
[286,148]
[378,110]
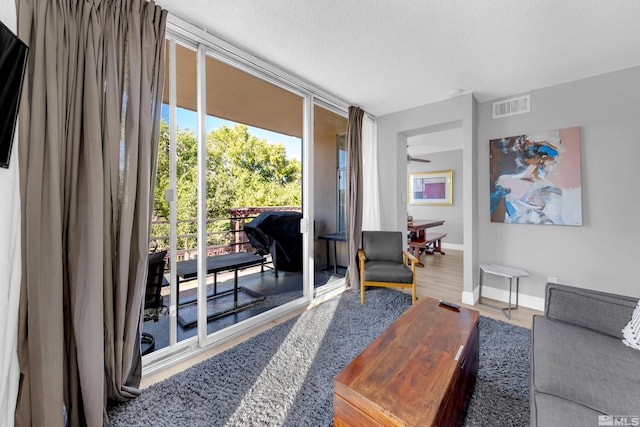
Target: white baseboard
[452,246]
[528,301]
[470,298]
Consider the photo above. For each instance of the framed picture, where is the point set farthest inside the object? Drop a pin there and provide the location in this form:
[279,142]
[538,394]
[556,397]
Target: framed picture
[536,178]
[430,188]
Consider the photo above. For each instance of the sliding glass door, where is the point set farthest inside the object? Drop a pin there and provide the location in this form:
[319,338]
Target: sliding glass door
[228,202]
[254,175]
[174,230]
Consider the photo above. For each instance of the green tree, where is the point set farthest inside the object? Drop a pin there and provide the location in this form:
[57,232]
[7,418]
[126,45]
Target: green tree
[242,170]
[260,173]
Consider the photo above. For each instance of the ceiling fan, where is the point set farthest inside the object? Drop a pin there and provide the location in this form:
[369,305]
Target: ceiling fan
[415,159]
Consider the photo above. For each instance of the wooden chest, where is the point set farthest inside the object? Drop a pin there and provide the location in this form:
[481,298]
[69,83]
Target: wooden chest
[419,372]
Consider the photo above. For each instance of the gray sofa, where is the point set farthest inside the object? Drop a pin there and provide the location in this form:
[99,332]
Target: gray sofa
[580,369]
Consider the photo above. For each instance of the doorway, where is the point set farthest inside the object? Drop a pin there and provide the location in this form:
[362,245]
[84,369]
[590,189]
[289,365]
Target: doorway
[444,151]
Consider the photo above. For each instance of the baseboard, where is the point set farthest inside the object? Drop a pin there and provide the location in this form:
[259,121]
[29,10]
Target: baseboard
[452,246]
[470,298]
[502,295]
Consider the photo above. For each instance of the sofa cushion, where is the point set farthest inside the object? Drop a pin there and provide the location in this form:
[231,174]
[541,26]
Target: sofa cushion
[584,366]
[553,411]
[600,311]
[631,332]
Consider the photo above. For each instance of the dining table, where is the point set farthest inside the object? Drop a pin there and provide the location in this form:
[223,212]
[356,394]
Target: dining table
[424,242]
[417,226]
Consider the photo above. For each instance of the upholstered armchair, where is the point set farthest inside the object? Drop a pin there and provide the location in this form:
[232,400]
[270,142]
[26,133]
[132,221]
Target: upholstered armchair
[384,262]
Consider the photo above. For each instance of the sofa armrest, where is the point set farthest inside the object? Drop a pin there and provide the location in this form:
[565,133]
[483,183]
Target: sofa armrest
[600,311]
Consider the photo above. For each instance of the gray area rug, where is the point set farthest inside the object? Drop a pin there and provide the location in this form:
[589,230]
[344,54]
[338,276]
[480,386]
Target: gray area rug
[284,376]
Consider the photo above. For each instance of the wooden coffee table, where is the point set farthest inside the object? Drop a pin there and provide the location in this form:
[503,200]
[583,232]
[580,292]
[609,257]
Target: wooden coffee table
[418,372]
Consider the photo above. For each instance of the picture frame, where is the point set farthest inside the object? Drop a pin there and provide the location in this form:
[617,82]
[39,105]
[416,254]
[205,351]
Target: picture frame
[431,188]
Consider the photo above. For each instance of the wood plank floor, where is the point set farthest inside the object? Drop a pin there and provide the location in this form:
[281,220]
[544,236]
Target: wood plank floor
[442,278]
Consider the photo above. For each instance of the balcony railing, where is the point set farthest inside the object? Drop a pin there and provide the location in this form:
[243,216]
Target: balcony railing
[227,236]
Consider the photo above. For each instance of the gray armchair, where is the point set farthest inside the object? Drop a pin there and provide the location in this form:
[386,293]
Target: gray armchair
[383,262]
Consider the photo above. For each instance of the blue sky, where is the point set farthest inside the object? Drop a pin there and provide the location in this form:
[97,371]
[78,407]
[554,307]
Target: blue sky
[189,120]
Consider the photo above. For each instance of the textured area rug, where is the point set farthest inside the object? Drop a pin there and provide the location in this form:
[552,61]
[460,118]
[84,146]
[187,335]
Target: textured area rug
[284,376]
[501,393]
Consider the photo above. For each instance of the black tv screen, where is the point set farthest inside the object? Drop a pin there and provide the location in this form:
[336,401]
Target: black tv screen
[13,61]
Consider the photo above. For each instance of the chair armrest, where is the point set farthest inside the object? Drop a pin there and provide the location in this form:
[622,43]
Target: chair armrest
[600,311]
[361,260]
[409,257]
[361,255]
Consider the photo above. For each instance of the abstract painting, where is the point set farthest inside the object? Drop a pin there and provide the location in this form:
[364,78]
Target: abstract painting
[536,179]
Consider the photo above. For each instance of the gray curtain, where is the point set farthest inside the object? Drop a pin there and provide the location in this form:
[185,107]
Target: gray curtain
[354,192]
[89,128]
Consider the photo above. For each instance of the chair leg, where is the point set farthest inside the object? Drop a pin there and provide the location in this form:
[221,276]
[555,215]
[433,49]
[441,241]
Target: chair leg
[361,293]
[149,341]
[413,294]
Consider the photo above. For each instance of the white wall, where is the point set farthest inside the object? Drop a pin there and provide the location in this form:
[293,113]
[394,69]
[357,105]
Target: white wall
[453,226]
[603,252]
[10,265]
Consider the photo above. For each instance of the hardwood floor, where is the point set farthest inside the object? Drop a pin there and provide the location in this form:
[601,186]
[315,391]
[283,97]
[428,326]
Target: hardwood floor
[442,278]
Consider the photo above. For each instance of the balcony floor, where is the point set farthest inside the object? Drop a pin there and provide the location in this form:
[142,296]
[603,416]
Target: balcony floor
[277,290]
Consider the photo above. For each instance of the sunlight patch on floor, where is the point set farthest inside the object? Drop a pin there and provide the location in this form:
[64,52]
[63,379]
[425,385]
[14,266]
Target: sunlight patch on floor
[284,375]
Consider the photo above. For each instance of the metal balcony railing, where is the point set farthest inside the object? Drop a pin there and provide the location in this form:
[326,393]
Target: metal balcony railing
[226,235]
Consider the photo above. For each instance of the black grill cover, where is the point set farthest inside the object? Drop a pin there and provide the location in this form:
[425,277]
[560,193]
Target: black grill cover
[13,61]
[277,233]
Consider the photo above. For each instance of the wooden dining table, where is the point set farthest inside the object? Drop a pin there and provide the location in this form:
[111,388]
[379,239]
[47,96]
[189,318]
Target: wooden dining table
[419,225]
[417,234]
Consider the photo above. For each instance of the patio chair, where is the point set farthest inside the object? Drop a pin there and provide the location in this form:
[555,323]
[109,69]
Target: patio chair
[153,303]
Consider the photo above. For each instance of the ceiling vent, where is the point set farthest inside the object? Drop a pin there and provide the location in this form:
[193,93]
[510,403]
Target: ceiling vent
[510,107]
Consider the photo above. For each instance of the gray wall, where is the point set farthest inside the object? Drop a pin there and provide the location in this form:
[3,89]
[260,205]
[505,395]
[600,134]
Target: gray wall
[452,215]
[603,252]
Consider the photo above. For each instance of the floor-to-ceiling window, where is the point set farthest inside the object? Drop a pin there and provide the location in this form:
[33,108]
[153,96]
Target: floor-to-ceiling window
[174,228]
[237,138]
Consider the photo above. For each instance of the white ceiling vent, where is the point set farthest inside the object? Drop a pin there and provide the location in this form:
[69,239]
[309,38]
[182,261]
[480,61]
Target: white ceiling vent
[512,106]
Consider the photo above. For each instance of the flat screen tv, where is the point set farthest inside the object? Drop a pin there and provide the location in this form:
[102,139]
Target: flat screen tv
[13,61]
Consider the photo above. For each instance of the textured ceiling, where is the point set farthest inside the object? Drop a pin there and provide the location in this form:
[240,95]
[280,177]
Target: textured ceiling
[390,55]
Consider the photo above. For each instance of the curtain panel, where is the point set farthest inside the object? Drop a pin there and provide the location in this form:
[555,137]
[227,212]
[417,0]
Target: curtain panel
[354,193]
[89,124]
[370,175]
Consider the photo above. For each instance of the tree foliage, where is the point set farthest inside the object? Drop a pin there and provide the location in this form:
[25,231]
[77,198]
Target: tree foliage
[242,170]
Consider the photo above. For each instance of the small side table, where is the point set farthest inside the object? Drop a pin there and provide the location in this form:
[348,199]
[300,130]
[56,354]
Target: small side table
[333,237]
[509,272]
